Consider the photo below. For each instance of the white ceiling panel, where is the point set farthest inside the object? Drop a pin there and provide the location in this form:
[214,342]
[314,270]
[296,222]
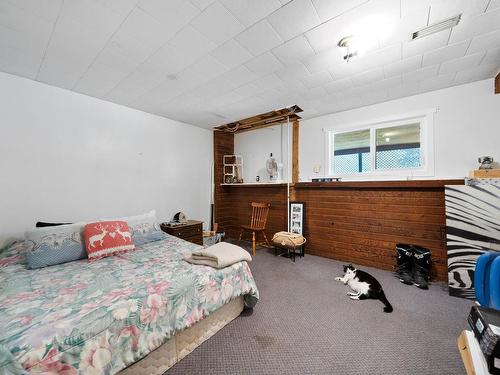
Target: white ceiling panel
[476,74]
[476,25]
[317,79]
[443,54]
[293,50]
[484,42]
[251,11]
[422,45]
[462,63]
[328,9]
[172,14]
[259,38]
[217,24]
[403,66]
[231,54]
[295,18]
[215,61]
[264,64]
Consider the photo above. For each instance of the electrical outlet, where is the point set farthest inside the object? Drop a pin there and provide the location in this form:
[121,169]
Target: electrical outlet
[317,168]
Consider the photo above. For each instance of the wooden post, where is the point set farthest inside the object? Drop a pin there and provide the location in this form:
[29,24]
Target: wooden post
[295,152]
[497,84]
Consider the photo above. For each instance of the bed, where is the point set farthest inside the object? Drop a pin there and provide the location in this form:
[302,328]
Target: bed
[138,312]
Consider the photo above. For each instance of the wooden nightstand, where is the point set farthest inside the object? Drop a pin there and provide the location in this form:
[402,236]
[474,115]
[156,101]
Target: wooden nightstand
[192,231]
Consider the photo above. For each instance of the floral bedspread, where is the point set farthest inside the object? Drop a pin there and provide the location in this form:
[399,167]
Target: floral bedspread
[99,317]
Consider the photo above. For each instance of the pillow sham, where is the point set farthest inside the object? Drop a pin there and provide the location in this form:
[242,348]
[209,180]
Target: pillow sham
[144,228]
[107,238]
[55,245]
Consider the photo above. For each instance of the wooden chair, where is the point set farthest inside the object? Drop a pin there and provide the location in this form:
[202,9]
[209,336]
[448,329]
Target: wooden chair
[257,224]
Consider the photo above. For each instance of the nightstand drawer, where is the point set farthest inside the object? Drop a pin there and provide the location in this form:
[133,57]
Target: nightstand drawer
[192,231]
[187,231]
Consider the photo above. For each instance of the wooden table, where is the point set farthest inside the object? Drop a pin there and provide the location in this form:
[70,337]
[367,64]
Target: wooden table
[192,231]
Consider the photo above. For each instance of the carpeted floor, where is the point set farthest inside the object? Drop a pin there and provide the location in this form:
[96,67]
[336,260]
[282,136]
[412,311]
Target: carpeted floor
[304,323]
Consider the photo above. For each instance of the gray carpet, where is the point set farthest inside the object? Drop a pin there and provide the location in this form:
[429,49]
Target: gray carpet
[304,323]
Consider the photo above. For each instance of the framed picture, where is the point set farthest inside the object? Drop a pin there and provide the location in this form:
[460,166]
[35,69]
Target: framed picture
[296,217]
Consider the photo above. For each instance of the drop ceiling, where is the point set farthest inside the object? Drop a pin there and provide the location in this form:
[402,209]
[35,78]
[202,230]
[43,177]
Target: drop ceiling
[207,62]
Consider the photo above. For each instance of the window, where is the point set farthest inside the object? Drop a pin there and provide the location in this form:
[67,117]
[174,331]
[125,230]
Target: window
[388,148]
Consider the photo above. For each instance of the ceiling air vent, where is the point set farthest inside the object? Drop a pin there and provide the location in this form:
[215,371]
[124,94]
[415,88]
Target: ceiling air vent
[436,27]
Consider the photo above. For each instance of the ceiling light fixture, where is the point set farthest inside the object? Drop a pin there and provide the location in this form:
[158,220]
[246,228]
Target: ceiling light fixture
[437,27]
[348,43]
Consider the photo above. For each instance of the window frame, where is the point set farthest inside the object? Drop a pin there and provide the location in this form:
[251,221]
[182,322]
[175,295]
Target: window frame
[426,121]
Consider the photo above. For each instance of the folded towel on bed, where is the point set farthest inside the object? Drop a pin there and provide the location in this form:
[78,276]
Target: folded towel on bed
[220,255]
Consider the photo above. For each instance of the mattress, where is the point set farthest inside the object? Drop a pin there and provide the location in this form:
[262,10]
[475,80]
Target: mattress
[184,342]
[100,317]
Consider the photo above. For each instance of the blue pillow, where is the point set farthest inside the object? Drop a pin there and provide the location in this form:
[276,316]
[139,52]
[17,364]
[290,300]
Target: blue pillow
[55,245]
[141,238]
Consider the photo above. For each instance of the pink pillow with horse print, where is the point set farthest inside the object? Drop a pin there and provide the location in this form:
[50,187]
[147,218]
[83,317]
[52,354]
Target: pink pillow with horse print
[107,238]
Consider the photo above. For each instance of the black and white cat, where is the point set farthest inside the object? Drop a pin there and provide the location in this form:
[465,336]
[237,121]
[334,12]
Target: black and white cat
[365,286]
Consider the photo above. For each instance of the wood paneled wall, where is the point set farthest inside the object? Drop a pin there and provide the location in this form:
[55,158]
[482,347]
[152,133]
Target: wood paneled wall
[223,145]
[363,225]
[237,207]
[358,222]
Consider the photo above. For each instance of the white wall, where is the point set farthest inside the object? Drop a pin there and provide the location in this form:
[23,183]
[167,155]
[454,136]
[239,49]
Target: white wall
[70,157]
[467,125]
[255,147]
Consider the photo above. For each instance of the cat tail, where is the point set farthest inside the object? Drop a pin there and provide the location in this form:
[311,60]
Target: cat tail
[388,307]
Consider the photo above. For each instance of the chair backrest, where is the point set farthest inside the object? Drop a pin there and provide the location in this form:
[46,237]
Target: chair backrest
[259,215]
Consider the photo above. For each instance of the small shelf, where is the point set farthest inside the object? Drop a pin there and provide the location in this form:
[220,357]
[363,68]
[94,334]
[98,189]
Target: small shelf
[256,184]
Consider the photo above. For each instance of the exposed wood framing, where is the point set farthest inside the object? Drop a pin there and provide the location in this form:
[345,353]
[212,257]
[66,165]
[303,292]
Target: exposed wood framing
[262,121]
[295,152]
[497,84]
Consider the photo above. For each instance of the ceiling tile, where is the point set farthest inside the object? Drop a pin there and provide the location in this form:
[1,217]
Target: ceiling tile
[442,9]
[202,4]
[48,10]
[293,72]
[317,79]
[422,45]
[15,61]
[251,11]
[493,5]
[249,89]
[264,64]
[324,60]
[293,50]
[191,42]
[475,74]
[122,7]
[231,54]
[462,63]
[328,9]
[492,57]
[436,83]
[294,18]
[267,82]
[368,22]
[476,25]
[217,24]
[369,76]
[484,42]
[172,14]
[259,38]
[403,66]
[141,34]
[338,85]
[450,52]
[420,74]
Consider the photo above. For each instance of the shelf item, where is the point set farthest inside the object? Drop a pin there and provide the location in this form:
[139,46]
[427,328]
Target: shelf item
[232,168]
[485,173]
